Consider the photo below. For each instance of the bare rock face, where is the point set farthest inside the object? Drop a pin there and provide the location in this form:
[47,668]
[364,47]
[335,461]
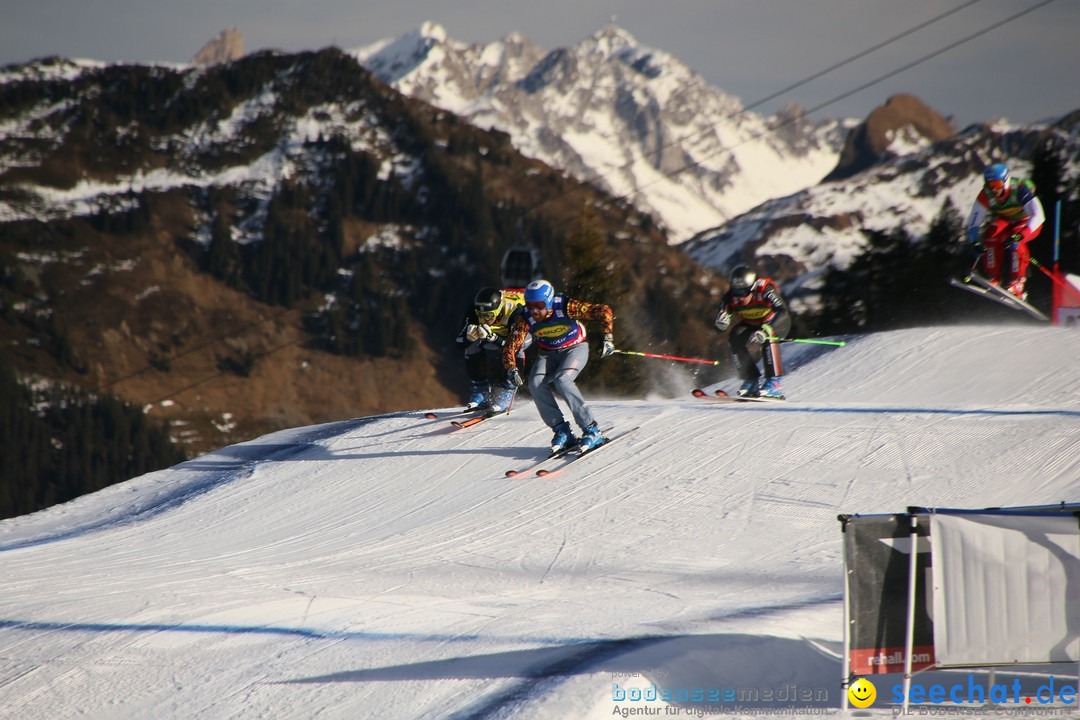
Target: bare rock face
[902,124]
[227,45]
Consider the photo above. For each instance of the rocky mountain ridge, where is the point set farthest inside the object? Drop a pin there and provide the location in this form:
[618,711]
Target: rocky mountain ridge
[634,120]
[788,196]
[902,125]
[225,46]
[798,237]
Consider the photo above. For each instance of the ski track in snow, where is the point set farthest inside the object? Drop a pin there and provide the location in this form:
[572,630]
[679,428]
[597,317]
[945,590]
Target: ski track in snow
[385,567]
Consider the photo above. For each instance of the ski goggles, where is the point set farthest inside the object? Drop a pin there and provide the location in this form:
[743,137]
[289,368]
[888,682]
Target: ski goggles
[996,186]
[486,317]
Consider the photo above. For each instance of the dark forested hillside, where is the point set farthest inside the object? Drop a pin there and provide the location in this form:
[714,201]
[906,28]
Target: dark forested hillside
[60,443]
[284,240]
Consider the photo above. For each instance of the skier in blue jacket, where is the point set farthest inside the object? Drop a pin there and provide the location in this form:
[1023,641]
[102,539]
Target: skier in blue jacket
[552,320]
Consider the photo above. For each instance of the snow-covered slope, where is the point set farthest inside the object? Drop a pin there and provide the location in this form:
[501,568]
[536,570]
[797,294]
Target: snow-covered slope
[384,567]
[633,119]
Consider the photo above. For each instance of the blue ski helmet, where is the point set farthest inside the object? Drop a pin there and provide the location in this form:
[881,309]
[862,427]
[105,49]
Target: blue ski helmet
[539,291]
[996,179]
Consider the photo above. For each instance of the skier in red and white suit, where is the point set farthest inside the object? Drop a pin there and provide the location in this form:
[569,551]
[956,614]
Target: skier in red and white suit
[1014,216]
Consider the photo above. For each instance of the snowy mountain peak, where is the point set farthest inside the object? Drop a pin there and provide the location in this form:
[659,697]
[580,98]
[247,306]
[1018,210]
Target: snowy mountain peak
[609,41]
[433,31]
[631,119]
[393,59]
[615,45]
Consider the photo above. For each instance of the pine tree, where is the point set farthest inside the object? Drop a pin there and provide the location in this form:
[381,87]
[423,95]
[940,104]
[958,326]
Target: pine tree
[593,275]
[223,257]
[592,268]
[1048,174]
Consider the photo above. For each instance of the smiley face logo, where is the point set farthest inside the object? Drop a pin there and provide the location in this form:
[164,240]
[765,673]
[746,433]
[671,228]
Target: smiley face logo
[862,693]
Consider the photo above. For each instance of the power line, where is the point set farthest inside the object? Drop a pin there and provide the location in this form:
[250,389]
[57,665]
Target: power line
[860,88]
[789,88]
[203,345]
[857,56]
[829,102]
[179,391]
[931,55]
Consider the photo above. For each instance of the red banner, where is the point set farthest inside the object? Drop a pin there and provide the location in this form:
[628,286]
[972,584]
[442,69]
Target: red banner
[889,660]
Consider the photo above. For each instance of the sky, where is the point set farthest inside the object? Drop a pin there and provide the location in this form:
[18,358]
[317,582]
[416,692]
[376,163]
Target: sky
[1022,71]
[385,567]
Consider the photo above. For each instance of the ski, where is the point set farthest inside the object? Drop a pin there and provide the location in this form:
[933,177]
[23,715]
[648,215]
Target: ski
[550,458]
[1009,297]
[979,285]
[982,292]
[459,413]
[476,419]
[575,455]
[722,396]
[743,399]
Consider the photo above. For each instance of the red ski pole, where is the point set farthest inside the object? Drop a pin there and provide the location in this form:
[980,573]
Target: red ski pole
[669,357]
[1064,285]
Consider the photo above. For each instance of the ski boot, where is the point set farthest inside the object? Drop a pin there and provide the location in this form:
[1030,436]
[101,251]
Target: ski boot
[563,438]
[501,399]
[590,438]
[771,388]
[478,397]
[1016,287]
[749,389]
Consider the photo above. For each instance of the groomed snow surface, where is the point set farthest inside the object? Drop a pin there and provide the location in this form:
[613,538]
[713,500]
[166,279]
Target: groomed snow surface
[384,567]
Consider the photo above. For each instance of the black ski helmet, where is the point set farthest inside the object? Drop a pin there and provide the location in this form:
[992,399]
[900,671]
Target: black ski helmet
[742,279]
[488,300]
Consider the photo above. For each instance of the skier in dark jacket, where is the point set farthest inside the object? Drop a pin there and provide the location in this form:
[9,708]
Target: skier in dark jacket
[757,315]
[487,326]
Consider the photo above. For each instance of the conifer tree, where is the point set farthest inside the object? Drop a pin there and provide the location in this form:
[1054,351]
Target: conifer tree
[592,268]
[593,275]
[223,257]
